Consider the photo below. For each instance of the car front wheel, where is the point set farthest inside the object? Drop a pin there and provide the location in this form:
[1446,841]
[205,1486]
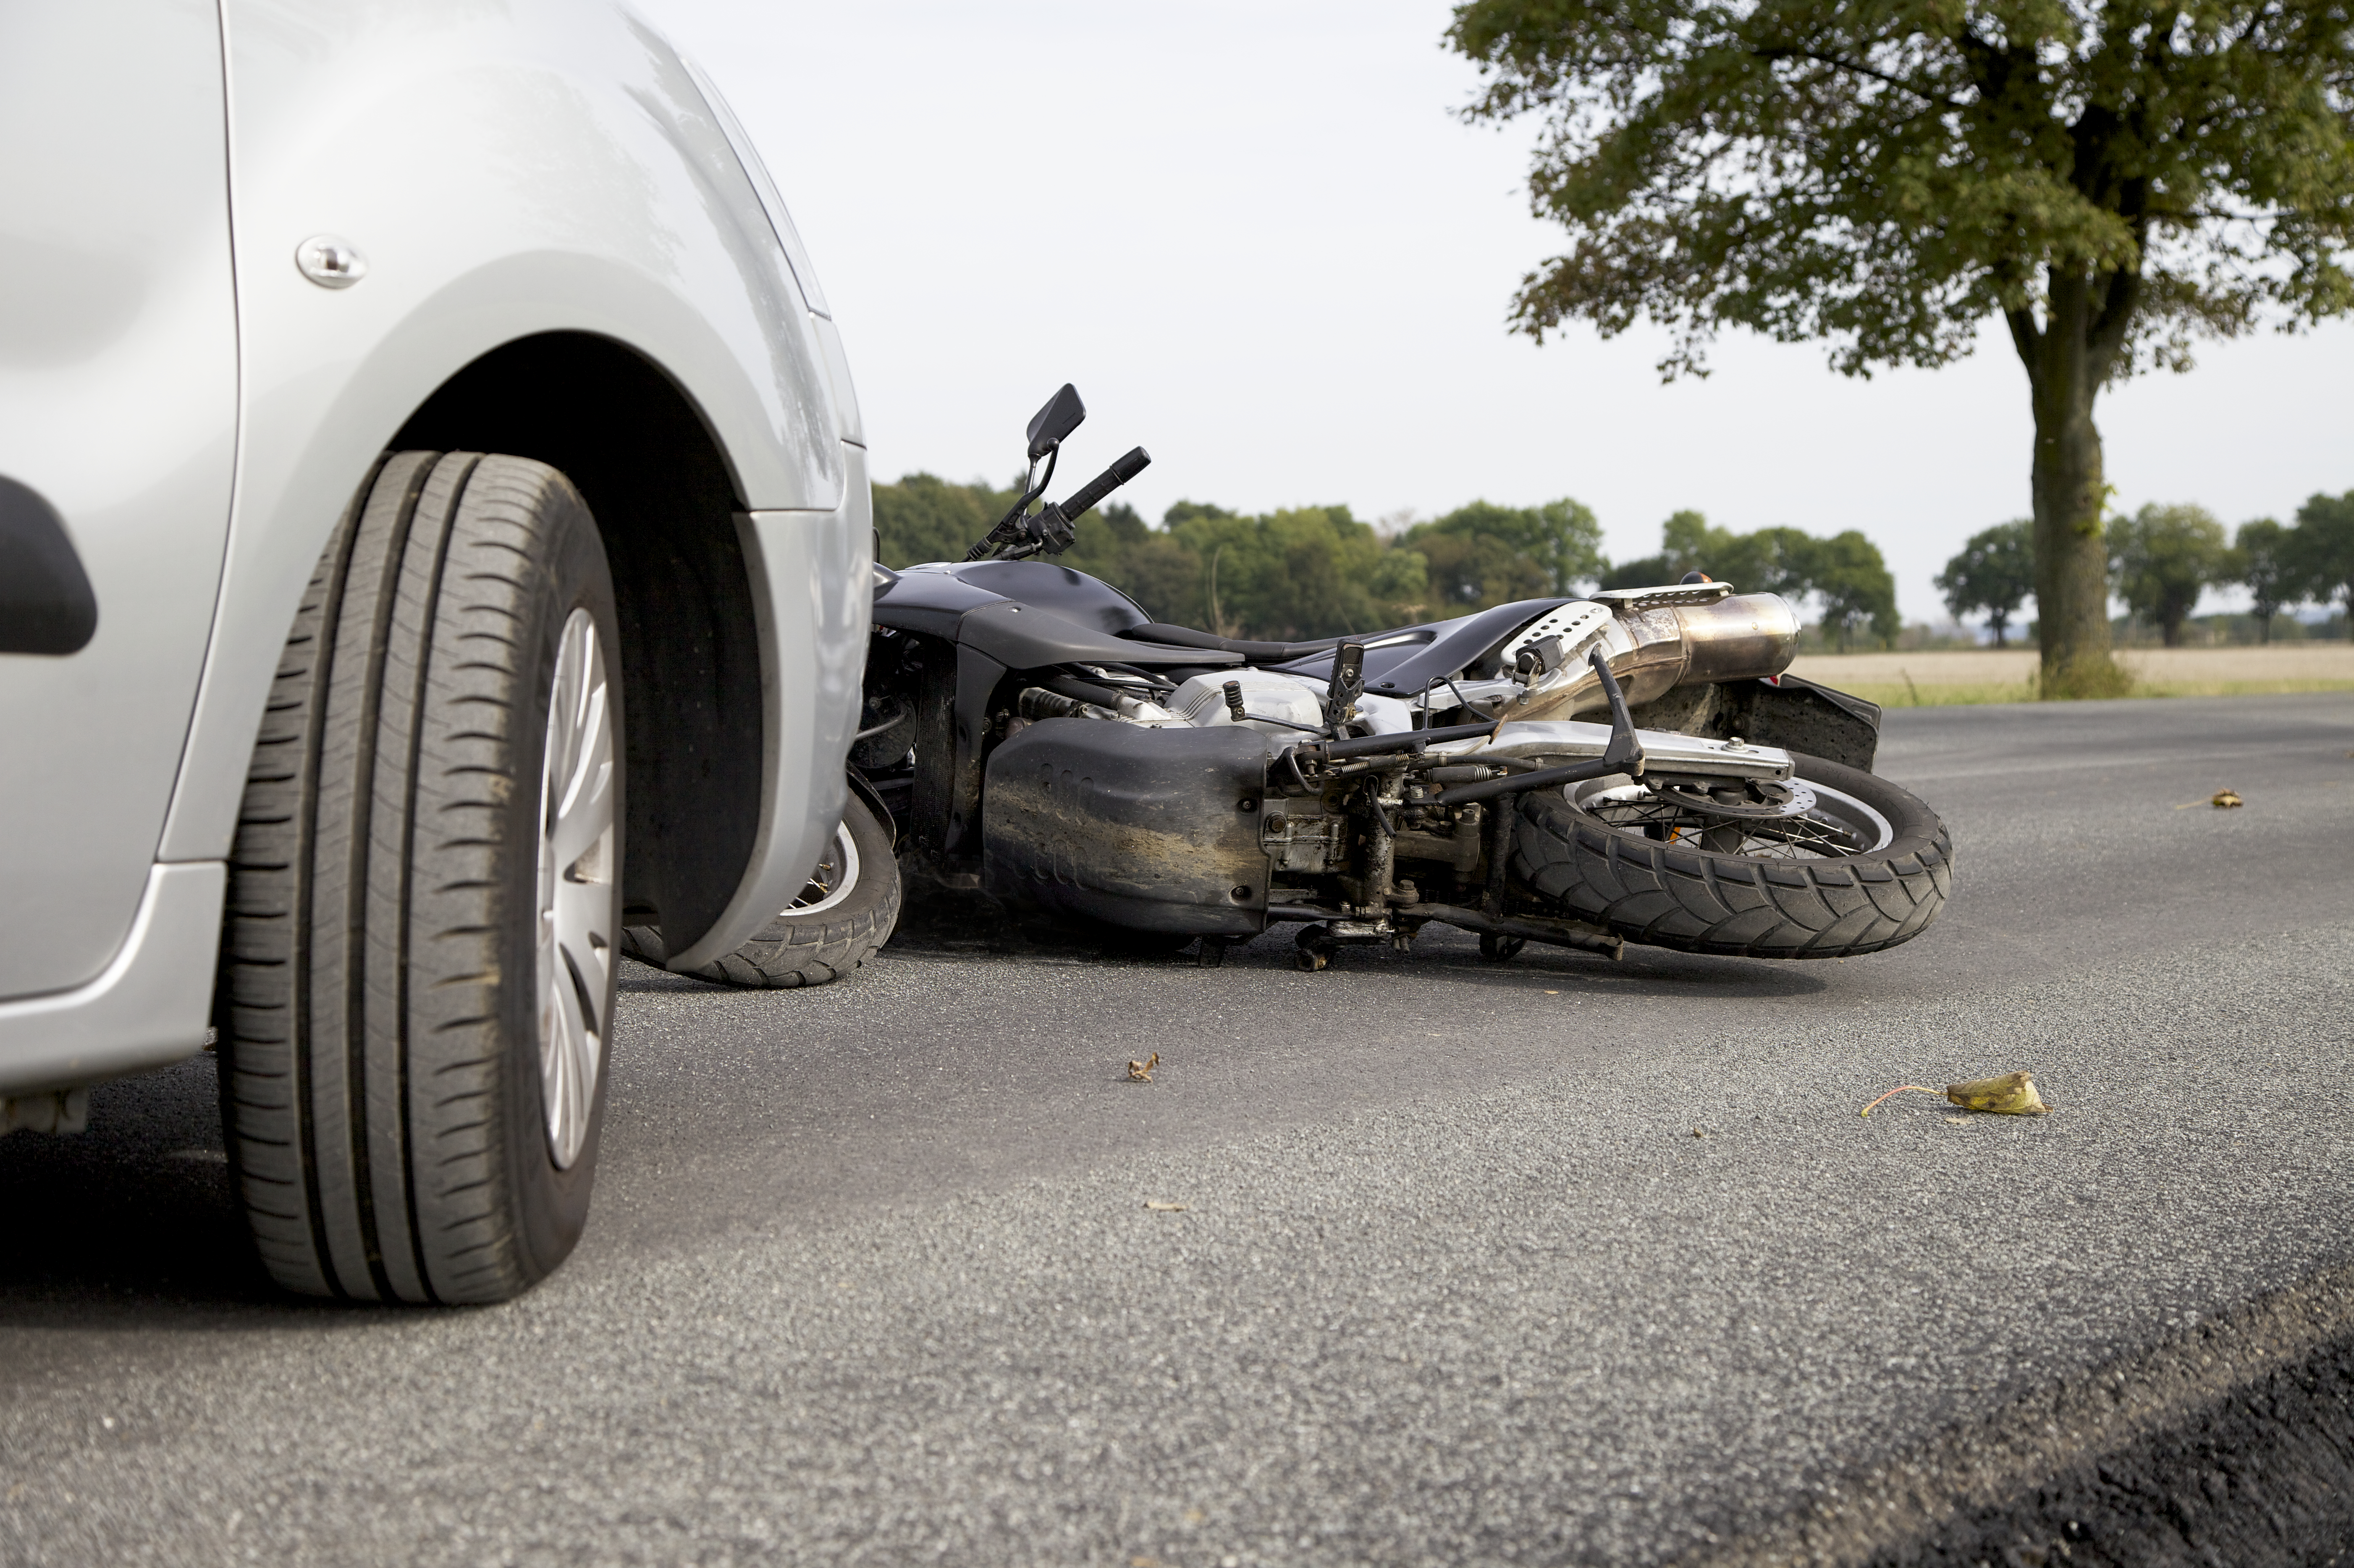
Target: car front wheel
[419,961]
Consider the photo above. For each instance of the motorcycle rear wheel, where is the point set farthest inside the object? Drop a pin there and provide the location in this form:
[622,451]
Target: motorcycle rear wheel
[1865,868]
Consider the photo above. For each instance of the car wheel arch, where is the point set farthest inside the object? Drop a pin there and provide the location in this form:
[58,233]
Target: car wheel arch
[666,499]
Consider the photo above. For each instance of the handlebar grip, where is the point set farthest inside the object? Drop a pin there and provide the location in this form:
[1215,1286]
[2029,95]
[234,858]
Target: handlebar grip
[1137,461]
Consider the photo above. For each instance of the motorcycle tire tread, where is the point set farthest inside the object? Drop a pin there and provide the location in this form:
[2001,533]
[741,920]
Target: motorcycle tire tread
[1694,901]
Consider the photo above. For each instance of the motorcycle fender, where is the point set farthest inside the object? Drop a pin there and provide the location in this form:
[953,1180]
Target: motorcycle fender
[1797,714]
[1153,829]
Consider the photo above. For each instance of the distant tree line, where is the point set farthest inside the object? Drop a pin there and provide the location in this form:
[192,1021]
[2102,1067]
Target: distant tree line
[2163,557]
[1314,571]
[1845,574]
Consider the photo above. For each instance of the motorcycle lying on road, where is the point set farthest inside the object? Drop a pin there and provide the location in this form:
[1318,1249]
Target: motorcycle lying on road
[1632,766]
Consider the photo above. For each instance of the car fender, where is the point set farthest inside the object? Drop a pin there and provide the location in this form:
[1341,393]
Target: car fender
[505,173]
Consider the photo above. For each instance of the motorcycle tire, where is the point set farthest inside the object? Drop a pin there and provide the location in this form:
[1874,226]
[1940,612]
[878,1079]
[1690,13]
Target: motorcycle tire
[841,920]
[1878,875]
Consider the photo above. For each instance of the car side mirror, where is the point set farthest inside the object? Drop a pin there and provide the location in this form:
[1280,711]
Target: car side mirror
[1061,415]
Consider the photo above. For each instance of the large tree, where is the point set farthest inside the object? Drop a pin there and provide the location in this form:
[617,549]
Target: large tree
[2109,180]
[2164,556]
[1992,576]
[2323,546]
[2263,557]
[1853,581]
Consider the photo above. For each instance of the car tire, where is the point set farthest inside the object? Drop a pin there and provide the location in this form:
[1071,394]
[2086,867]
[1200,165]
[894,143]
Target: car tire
[841,920]
[419,954]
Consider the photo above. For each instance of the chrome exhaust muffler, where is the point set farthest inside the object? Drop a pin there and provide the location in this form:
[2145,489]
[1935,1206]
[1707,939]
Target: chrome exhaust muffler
[1654,640]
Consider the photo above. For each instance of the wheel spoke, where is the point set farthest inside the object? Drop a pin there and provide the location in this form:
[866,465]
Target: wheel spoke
[834,880]
[576,887]
[1819,830]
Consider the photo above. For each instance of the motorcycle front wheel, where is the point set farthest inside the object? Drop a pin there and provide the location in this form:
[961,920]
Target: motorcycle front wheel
[1843,862]
[842,918]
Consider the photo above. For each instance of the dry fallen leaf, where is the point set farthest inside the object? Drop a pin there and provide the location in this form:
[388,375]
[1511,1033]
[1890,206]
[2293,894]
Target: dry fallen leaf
[1158,1207]
[1698,1133]
[1142,1071]
[2226,799]
[2013,1094]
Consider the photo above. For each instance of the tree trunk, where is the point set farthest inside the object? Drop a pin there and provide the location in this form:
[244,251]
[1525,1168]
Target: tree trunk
[1996,621]
[2066,362]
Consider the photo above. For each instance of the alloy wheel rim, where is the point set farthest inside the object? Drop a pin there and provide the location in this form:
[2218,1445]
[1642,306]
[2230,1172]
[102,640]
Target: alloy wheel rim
[835,878]
[1822,823]
[577,888]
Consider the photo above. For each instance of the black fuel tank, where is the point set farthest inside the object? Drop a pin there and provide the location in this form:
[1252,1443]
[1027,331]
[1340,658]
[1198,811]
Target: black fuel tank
[1088,601]
[1154,830]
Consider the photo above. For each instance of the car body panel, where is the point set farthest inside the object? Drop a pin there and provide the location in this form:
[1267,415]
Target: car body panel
[118,404]
[146,1009]
[504,170]
[479,229]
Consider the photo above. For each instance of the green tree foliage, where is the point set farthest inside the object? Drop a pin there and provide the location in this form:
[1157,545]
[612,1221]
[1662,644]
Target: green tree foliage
[1642,571]
[1302,573]
[1484,555]
[1846,573]
[2323,551]
[2163,555]
[926,518]
[1157,572]
[1993,575]
[2263,559]
[1314,571]
[1309,571]
[2109,179]
[1473,571]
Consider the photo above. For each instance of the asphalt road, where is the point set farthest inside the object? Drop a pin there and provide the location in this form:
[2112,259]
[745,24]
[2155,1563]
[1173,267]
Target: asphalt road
[872,1279]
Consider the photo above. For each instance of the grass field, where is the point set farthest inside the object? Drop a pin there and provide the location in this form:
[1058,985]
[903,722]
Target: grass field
[1987,676]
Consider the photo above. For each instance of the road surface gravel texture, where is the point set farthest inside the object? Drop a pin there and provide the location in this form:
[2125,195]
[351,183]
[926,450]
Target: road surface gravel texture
[873,1279]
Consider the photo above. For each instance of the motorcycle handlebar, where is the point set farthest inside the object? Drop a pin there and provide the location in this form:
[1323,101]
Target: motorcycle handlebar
[1104,484]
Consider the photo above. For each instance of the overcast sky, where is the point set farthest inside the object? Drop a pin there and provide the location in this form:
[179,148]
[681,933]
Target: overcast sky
[1262,243]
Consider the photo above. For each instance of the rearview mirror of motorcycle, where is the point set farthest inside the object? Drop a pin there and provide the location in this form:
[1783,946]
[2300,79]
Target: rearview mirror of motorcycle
[1061,415]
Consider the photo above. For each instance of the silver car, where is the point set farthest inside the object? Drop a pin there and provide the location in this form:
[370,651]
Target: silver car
[434,531]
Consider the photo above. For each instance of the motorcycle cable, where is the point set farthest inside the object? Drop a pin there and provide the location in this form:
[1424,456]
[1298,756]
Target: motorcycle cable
[1053,528]
[1158,683]
[1235,710]
[1449,682]
[1009,527]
